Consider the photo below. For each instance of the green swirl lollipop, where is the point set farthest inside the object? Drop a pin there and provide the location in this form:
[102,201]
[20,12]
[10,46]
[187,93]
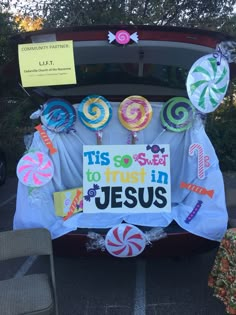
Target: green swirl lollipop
[207,83]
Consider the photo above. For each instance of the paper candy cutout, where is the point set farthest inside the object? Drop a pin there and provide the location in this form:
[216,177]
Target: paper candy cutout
[207,83]
[92,192]
[122,37]
[124,240]
[47,141]
[203,160]
[135,113]
[194,212]
[95,112]
[35,169]
[58,115]
[73,205]
[68,202]
[177,114]
[197,189]
[155,148]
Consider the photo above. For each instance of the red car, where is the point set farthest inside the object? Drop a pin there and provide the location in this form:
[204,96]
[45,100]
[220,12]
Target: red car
[153,62]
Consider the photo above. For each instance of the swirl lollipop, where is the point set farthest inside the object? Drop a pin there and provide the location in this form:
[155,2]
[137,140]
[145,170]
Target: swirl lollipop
[95,113]
[58,115]
[125,240]
[207,83]
[135,113]
[35,169]
[177,114]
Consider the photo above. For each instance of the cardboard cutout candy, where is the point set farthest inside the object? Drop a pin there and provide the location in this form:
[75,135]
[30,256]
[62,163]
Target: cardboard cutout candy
[202,159]
[122,37]
[95,112]
[177,114]
[47,141]
[125,240]
[207,82]
[35,169]
[198,189]
[135,113]
[58,115]
[193,212]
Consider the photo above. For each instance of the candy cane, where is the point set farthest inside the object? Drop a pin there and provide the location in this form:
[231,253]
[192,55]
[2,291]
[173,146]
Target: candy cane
[201,162]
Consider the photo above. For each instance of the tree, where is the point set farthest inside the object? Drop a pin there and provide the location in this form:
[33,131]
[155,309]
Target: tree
[221,129]
[7,28]
[212,14]
[28,24]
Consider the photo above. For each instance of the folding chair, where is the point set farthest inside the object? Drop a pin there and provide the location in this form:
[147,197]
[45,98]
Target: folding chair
[29,294]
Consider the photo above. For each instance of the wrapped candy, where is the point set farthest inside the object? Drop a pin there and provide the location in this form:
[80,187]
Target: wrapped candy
[122,37]
[228,50]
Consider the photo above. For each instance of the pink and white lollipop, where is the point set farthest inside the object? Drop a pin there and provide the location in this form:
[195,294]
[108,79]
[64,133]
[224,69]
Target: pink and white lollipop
[35,169]
[135,113]
[125,240]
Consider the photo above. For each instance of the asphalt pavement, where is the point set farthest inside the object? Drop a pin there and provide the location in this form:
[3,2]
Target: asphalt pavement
[112,286]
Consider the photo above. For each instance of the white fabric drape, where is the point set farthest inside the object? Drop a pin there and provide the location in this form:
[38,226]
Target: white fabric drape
[36,208]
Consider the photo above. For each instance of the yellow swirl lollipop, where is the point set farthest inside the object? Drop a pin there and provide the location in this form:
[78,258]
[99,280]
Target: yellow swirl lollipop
[95,113]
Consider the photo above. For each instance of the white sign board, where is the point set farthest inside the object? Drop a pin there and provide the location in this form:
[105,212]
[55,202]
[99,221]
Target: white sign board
[126,178]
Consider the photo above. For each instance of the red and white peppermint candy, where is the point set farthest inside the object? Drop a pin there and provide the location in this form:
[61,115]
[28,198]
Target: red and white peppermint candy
[35,169]
[125,240]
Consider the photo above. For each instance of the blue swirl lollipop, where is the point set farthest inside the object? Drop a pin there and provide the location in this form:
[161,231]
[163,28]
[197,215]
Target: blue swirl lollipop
[58,115]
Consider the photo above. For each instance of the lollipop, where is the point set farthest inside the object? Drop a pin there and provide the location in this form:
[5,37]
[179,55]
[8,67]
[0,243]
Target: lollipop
[35,169]
[125,240]
[177,114]
[207,83]
[58,115]
[135,113]
[95,113]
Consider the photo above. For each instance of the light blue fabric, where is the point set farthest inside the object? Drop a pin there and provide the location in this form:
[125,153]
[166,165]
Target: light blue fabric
[36,208]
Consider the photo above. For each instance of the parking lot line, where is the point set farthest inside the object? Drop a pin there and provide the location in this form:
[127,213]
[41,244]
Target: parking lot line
[140,288]
[8,200]
[24,268]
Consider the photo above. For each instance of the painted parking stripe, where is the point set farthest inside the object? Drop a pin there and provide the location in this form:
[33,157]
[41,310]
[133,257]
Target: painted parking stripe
[140,288]
[25,267]
[8,200]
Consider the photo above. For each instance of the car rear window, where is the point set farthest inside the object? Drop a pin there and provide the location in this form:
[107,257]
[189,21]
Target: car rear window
[115,73]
